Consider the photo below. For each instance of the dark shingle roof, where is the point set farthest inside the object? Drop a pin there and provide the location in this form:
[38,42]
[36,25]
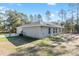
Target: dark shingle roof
[42,24]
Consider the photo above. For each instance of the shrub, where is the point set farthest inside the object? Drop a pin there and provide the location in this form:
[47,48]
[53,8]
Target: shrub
[55,38]
[43,43]
[63,46]
[77,45]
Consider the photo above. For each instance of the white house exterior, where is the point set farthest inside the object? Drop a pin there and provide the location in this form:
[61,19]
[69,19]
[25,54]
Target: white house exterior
[39,30]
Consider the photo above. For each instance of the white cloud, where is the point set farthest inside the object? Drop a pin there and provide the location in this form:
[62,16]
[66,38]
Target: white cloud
[52,14]
[3,9]
[51,3]
[2,12]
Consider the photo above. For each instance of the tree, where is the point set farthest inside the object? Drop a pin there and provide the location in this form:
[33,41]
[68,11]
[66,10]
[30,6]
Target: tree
[48,14]
[35,17]
[72,15]
[39,18]
[31,17]
[68,26]
[76,7]
[24,18]
[2,26]
[15,19]
[62,15]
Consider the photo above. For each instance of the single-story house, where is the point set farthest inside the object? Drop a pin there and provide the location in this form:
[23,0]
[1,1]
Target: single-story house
[39,30]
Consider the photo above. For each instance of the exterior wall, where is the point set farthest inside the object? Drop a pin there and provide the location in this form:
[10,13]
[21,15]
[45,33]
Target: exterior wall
[59,31]
[18,30]
[52,31]
[32,31]
[37,32]
[44,32]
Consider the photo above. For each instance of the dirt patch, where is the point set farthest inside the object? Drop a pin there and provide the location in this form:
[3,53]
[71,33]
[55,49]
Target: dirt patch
[6,48]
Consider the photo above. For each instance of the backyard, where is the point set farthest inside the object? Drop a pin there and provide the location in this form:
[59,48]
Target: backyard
[9,44]
[57,27]
[66,44]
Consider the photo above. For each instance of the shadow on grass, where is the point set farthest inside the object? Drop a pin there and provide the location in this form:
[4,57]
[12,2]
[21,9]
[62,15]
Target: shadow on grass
[33,51]
[20,40]
[37,51]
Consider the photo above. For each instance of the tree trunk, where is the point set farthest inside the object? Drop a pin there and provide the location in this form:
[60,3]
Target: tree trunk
[77,21]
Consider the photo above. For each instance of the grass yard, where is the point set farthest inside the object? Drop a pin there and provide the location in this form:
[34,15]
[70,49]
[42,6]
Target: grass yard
[8,45]
[50,46]
[11,46]
[41,47]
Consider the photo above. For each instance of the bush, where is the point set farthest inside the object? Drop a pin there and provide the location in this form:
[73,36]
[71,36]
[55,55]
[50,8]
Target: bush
[63,46]
[77,45]
[42,42]
[55,38]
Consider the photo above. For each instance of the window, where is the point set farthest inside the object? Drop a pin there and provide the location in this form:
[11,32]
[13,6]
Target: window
[60,30]
[54,30]
[49,30]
